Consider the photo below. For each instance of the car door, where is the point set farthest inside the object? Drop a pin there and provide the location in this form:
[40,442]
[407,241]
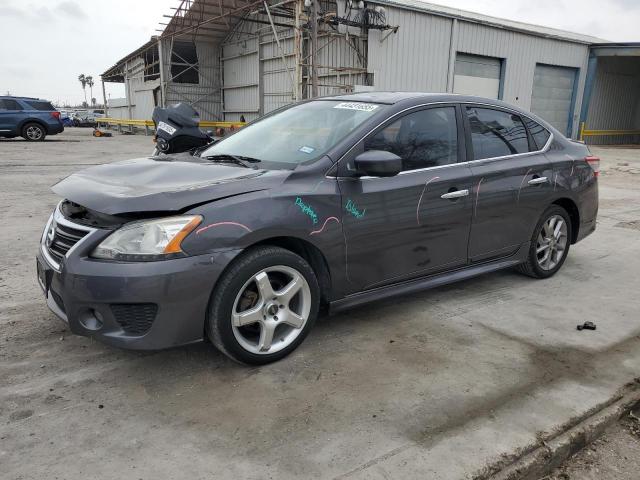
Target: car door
[417,222]
[9,116]
[511,181]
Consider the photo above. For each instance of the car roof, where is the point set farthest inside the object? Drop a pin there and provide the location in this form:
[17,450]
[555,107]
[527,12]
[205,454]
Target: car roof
[410,99]
[390,98]
[23,98]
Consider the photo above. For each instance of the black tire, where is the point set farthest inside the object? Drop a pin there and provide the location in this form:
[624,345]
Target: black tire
[33,132]
[219,316]
[532,267]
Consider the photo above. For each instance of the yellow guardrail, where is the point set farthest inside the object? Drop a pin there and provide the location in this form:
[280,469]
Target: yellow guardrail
[124,121]
[222,124]
[149,123]
[585,132]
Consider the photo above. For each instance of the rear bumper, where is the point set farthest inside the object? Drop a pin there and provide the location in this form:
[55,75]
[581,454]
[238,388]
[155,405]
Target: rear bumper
[588,207]
[101,299]
[55,128]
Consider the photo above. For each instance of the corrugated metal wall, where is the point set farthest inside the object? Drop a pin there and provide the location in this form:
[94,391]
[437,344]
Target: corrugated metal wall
[241,76]
[205,97]
[139,92]
[256,81]
[417,56]
[615,102]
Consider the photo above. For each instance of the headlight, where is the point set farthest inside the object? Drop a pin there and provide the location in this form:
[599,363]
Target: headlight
[148,240]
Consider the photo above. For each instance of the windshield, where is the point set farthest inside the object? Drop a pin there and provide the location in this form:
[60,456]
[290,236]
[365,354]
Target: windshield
[296,135]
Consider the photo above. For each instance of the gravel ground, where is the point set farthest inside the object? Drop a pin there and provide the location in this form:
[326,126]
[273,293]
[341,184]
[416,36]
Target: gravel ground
[614,456]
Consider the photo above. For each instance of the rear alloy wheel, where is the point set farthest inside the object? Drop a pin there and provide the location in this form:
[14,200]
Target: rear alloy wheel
[33,132]
[549,244]
[263,306]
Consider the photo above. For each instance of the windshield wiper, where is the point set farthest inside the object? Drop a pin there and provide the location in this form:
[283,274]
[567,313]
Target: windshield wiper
[236,159]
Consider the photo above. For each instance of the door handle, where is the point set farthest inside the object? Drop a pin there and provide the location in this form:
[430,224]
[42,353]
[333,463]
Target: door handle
[455,194]
[537,181]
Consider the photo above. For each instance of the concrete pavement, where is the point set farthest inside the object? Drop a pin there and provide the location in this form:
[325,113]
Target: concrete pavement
[444,384]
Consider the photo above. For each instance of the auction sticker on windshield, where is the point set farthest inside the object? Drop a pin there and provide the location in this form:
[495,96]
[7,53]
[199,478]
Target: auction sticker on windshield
[363,107]
[166,127]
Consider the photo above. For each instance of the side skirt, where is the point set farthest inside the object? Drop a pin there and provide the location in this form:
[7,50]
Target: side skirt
[426,283]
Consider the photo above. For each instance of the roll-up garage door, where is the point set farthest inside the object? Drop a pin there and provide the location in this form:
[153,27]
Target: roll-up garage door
[552,95]
[477,75]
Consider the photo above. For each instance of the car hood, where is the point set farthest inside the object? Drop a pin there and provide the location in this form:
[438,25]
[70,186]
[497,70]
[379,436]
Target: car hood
[163,184]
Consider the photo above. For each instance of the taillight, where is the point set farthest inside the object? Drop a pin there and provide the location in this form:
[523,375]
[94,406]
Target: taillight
[56,115]
[594,163]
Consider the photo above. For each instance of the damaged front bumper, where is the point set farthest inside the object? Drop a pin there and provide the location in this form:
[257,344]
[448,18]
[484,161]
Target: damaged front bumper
[146,305]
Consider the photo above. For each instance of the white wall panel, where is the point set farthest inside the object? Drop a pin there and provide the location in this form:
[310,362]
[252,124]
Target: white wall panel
[416,58]
[241,79]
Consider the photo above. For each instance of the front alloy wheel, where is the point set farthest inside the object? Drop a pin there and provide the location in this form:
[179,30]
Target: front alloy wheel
[263,306]
[271,310]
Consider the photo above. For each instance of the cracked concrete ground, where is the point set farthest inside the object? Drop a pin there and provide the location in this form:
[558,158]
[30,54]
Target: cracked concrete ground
[442,384]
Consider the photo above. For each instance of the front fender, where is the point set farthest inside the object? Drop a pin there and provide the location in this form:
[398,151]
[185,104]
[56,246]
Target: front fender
[310,214]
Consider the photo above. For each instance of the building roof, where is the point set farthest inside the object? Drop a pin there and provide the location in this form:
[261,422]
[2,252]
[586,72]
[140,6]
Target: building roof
[210,19]
[115,74]
[473,17]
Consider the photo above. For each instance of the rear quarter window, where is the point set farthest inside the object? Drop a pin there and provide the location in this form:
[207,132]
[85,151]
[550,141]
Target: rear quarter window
[538,132]
[39,105]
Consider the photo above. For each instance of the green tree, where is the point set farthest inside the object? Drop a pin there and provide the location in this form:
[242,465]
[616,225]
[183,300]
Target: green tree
[83,80]
[90,83]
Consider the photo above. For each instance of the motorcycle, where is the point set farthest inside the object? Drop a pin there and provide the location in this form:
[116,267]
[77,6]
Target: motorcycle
[177,130]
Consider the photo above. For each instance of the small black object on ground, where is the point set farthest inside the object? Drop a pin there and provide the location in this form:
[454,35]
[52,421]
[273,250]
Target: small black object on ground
[587,326]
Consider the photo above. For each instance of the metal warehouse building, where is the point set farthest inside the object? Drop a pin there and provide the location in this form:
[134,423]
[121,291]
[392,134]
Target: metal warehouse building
[235,60]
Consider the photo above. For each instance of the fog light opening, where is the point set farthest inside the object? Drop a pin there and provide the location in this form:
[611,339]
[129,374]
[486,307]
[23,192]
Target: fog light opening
[92,320]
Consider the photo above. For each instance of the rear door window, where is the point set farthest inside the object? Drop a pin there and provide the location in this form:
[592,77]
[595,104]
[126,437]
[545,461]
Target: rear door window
[8,104]
[538,132]
[39,105]
[496,133]
[426,138]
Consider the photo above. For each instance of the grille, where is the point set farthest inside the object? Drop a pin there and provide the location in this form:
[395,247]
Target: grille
[135,318]
[64,237]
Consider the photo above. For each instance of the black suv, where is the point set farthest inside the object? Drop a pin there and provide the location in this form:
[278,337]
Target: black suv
[31,118]
[332,202]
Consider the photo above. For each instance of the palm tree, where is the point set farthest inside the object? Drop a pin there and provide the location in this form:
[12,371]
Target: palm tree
[83,80]
[89,80]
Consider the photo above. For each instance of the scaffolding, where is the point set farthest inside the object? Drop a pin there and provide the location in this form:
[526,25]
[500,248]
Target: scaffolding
[297,33]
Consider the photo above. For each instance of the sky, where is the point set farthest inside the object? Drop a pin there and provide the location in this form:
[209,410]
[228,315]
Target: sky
[48,43]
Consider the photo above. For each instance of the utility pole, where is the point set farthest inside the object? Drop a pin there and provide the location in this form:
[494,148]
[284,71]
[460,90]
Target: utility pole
[314,48]
[161,67]
[104,98]
[297,49]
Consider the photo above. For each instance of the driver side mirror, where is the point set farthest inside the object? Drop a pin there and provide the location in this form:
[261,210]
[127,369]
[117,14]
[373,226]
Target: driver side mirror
[378,163]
